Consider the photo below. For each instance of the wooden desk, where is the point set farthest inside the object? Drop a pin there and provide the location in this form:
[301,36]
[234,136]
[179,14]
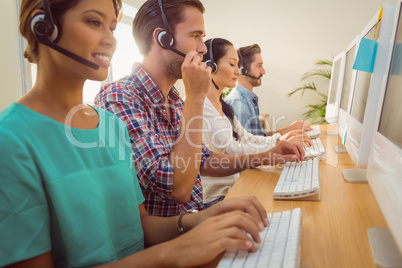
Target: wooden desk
[329,142]
[334,230]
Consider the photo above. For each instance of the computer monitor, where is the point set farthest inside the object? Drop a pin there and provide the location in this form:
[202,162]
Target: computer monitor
[335,86]
[384,170]
[348,85]
[366,95]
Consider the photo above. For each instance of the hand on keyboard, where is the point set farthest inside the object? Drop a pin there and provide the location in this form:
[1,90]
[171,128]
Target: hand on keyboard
[280,246]
[315,150]
[297,136]
[296,125]
[283,152]
[315,132]
[249,204]
[214,236]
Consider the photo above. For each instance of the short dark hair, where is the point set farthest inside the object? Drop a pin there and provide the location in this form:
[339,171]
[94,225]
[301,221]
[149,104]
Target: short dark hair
[248,55]
[149,17]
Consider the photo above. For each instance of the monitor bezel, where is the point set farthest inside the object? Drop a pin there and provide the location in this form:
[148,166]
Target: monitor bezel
[342,114]
[393,154]
[360,135]
[331,113]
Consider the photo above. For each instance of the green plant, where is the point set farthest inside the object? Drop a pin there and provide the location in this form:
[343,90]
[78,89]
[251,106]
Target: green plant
[226,92]
[315,111]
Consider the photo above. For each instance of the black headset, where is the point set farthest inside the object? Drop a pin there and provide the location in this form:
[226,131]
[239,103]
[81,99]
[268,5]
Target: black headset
[44,27]
[243,69]
[46,32]
[211,63]
[165,38]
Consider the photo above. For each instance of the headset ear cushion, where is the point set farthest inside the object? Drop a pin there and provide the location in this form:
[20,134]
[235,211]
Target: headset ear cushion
[165,40]
[242,70]
[213,66]
[41,27]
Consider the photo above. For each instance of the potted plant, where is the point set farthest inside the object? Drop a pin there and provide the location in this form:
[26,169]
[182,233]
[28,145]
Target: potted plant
[316,112]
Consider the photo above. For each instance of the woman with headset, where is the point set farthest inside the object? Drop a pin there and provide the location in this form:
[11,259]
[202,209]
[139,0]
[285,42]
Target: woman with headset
[222,132]
[69,194]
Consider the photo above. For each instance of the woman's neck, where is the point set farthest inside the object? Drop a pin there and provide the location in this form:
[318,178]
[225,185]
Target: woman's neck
[213,96]
[56,95]
[63,91]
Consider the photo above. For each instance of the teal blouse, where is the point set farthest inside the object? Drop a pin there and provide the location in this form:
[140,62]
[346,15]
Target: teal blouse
[70,191]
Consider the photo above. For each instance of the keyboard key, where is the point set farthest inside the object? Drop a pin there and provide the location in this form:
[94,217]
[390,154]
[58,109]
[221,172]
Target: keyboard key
[280,245]
[315,132]
[301,180]
[315,150]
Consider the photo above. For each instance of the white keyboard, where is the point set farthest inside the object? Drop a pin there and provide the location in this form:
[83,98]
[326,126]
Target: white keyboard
[315,150]
[299,180]
[280,244]
[315,132]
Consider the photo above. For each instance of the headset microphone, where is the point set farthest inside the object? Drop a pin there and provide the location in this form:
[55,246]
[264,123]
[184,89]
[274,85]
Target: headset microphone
[46,32]
[166,41]
[177,52]
[252,76]
[215,85]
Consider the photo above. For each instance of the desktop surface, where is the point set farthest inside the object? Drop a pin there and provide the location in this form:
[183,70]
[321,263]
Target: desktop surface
[333,158]
[334,231]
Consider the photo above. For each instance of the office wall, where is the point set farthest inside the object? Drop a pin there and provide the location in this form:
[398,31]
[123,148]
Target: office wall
[293,35]
[10,70]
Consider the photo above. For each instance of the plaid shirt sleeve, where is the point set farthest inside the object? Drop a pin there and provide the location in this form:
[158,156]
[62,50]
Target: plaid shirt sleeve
[205,154]
[154,170]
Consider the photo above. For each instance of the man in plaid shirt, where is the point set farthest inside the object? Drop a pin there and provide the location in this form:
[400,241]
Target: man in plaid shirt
[165,132]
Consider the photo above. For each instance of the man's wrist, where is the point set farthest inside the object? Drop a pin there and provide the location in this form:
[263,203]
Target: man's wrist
[195,100]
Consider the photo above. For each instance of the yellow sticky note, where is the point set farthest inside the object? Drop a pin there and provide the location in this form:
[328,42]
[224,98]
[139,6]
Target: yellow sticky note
[378,20]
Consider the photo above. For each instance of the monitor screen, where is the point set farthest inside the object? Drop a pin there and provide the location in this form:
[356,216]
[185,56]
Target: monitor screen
[385,164]
[362,84]
[335,79]
[391,115]
[347,80]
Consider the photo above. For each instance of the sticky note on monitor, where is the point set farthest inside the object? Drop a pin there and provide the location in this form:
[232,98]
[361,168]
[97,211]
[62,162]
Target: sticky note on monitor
[365,57]
[345,134]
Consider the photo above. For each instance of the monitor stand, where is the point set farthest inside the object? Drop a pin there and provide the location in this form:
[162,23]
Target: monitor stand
[354,175]
[340,149]
[383,247]
[332,133]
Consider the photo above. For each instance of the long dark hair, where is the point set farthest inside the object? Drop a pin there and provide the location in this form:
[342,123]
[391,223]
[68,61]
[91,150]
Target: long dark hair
[219,49]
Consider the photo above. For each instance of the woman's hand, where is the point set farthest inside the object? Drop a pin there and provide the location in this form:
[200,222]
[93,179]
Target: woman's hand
[201,245]
[284,151]
[296,125]
[249,205]
[297,136]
